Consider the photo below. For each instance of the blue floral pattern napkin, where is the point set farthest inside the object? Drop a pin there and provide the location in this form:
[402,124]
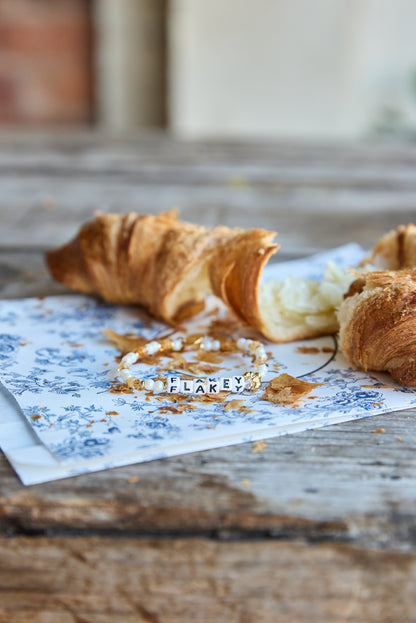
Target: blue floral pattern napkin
[59,418]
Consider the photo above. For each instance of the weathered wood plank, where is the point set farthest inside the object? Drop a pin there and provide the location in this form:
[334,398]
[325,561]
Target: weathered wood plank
[97,580]
[299,233]
[24,274]
[315,196]
[340,483]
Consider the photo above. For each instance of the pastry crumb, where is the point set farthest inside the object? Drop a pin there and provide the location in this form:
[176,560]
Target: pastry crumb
[234,404]
[307,350]
[287,389]
[258,446]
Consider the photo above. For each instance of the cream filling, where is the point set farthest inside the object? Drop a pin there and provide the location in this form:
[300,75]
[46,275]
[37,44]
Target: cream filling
[295,304]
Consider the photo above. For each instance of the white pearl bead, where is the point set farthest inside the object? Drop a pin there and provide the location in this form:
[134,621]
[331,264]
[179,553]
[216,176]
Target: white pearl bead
[216,345]
[158,386]
[241,343]
[124,375]
[260,353]
[153,347]
[262,370]
[206,343]
[177,344]
[148,384]
[129,359]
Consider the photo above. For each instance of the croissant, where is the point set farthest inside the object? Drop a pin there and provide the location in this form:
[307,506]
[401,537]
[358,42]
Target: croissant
[395,250]
[162,263]
[378,323]
[158,262]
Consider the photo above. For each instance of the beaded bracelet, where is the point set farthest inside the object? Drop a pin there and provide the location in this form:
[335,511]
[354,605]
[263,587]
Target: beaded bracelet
[250,381]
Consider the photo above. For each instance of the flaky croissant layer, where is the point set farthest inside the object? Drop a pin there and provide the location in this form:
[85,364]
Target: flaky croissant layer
[164,264]
[157,262]
[378,324]
[395,250]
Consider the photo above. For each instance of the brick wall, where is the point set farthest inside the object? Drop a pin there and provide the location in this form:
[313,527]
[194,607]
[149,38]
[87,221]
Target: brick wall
[45,62]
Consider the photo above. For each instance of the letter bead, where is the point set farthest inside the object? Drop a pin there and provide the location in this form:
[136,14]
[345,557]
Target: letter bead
[200,387]
[187,386]
[238,384]
[226,384]
[173,384]
[213,386]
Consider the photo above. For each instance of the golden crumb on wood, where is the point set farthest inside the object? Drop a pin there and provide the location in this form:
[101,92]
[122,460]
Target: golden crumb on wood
[287,389]
[258,446]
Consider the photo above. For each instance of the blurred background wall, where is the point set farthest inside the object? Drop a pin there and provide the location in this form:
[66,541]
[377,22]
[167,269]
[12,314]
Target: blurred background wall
[338,69]
[46,66]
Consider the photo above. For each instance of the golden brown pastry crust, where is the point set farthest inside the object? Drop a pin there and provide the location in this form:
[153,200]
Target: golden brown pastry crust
[164,264]
[153,261]
[235,274]
[378,323]
[395,250]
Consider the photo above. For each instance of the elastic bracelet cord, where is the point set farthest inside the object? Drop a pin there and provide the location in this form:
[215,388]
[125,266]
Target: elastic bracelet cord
[173,384]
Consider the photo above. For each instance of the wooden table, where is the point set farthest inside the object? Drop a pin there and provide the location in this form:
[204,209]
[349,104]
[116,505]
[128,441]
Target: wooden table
[318,526]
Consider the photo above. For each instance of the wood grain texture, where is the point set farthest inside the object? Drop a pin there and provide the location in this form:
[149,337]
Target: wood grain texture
[316,196]
[88,580]
[340,483]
